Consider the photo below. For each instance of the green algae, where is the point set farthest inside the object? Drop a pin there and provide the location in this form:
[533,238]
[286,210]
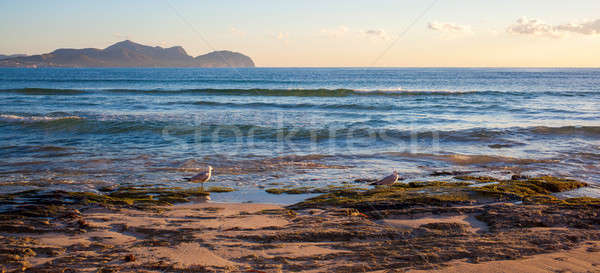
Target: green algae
[552,200]
[155,196]
[530,188]
[581,201]
[538,190]
[62,203]
[440,193]
[220,189]
[308,190]
[477,179]
[424,184]
[425,193]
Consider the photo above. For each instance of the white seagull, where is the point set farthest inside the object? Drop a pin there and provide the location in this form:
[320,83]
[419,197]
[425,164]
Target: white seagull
[201,177]
[388,180]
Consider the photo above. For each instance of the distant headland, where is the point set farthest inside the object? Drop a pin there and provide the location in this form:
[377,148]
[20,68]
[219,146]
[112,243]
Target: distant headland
[128,54]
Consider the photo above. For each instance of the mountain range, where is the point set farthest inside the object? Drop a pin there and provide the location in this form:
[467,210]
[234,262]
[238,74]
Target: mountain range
[128,54]
[2,57]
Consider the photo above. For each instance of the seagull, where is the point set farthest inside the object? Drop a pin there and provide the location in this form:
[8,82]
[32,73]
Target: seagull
[388,180]
[201,177]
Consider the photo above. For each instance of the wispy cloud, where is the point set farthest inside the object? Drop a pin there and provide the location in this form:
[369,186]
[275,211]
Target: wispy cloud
[280,36]
[346,32]
[376,34]
[237,32]
[536,27]
[335,32]
[449,28]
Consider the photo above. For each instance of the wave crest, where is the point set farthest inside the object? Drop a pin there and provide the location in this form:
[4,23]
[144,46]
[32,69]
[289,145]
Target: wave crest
[30,119]
[319,92]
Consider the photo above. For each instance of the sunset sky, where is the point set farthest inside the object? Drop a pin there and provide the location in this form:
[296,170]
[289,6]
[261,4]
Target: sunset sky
[322,33]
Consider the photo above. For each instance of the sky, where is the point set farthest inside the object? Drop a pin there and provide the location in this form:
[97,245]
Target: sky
[331,33]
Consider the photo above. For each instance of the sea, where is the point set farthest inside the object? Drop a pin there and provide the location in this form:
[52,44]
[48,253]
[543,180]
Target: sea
[80,129]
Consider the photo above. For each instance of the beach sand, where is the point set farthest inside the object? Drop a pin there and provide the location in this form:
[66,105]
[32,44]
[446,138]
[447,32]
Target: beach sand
[582,259]
[269,238]
[402,231]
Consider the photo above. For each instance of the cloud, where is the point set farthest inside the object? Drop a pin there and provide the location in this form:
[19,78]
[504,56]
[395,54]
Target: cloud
[346,32]
[376,33]
[536,27]
[449,28]
[335,32]
[586,28]
[237,32]
[280,36]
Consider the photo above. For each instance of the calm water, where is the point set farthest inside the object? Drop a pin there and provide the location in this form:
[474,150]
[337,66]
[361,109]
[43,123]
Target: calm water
[81,129]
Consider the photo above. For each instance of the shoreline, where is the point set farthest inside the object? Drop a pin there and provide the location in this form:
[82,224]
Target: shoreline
[443,226]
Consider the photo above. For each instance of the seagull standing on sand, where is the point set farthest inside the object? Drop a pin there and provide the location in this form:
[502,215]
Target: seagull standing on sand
[201,177]
[388,180]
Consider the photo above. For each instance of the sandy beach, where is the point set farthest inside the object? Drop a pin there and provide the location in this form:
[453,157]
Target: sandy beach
[414,227]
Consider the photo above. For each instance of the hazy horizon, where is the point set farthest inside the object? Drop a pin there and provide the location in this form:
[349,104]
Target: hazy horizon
[534,34]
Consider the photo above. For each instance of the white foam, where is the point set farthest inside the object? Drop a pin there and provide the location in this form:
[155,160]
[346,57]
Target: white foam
[15,118]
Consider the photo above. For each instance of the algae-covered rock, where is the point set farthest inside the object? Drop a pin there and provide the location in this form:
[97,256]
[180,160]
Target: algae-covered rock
[154,196]
[300,190]
[220,189]
[307,190]
[478,179]
[529,188]
[400,195]
[62,203]
[441,193]
[582,201]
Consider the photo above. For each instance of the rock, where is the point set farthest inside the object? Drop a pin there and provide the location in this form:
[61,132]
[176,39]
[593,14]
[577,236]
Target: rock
[519,177]
[365,180]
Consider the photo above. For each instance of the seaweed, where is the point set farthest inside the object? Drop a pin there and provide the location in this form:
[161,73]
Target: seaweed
[61,203]
[403,194]
[581,201]
[531,188]
[440,193]
[307,190]
[423,184]
[478,179]
[300,190]
[220,189]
